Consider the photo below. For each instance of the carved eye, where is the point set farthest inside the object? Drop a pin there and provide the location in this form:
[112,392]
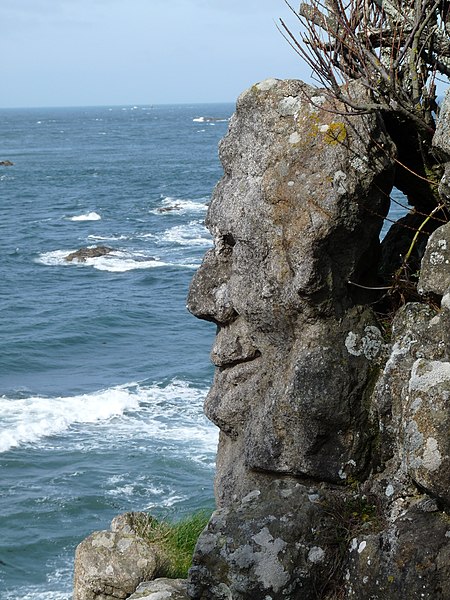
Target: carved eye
[229,240]
[225,243]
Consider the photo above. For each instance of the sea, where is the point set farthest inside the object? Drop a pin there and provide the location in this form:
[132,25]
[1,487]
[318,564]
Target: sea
[103,372]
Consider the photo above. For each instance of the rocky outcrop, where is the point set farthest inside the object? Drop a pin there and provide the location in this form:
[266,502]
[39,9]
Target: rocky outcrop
[333,469]
[110,565]
[83,253]
[295,218]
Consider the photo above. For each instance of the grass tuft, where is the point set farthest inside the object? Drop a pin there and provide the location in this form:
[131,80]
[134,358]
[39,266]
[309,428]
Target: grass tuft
[176,540]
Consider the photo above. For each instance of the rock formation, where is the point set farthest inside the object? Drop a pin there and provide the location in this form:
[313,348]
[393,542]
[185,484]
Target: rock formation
[333,463]
[161,589]
[111,564]
[83,253]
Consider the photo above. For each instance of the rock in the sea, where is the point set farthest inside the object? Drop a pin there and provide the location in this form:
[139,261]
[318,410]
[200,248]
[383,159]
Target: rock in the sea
[83,253]
[6,163]
[110,565]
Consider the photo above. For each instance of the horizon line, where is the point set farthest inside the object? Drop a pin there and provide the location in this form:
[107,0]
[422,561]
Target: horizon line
[119,105]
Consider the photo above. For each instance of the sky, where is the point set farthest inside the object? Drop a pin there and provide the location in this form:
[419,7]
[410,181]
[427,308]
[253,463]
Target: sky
[112,52]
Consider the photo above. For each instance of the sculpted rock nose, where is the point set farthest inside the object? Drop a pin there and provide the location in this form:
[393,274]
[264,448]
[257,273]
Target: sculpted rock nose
[208,296]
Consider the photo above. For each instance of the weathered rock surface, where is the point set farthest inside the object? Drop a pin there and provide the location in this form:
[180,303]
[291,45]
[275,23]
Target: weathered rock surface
[441,141]
[295,217]
[393,565]
[435,268]
[333,467]
[83,253]
[263,546]
[110,565]
[441,138]
[161,589]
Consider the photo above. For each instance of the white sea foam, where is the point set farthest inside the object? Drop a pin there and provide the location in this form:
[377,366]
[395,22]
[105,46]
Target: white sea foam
[115,262]
[28,420]
[192,234]
[36,594]
[54,258]
[210,120]
[108,238]
[91,216]
[177,205]
[120,262]
[170,415]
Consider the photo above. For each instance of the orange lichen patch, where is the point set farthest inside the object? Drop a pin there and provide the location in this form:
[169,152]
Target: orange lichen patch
[335,133]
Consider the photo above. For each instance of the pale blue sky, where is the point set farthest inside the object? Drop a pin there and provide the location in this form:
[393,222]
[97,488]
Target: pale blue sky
[96,52]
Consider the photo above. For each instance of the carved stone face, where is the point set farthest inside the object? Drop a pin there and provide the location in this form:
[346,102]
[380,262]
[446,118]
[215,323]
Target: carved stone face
[289,231]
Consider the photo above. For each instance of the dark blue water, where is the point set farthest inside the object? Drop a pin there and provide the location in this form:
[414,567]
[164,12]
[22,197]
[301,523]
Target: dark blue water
[102,370]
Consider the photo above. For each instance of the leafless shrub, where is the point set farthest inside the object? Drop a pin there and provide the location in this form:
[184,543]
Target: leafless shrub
[395,49]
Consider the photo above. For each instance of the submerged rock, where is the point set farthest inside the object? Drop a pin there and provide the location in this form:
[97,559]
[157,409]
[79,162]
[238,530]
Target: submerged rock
[83,253]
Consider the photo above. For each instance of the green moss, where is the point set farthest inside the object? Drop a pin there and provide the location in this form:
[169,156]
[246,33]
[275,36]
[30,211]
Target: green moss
[176,541]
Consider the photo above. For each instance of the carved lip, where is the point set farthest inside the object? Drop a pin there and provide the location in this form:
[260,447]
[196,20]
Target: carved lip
[225,366]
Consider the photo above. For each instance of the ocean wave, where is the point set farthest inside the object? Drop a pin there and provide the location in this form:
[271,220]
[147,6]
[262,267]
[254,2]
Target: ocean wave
[56,587]
[120,262]
[193,233]
[171,415]
[91,216]
[128,485]
[177,205]
[27,420]
[209,120]
[108,238]
[36,594]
